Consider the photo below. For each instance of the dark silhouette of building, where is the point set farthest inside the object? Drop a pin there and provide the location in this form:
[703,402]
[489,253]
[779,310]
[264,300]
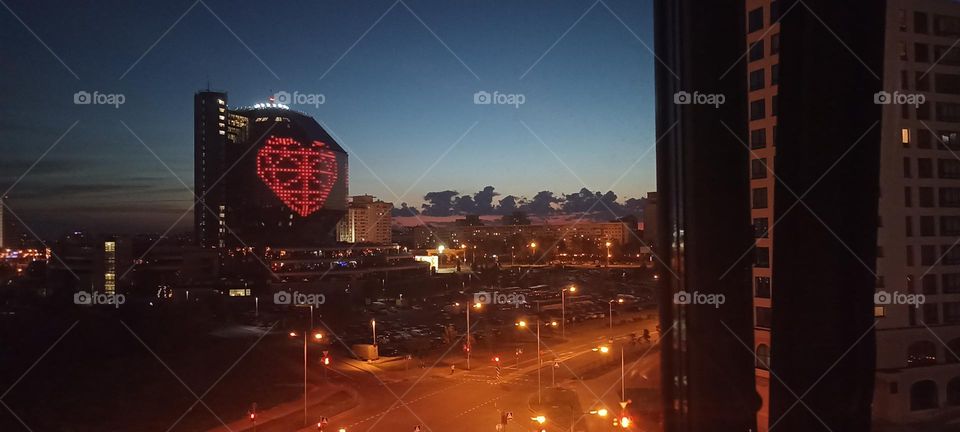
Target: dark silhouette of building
[707,363]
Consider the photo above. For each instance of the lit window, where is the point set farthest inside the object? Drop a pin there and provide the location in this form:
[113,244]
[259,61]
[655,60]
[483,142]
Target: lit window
[905,136]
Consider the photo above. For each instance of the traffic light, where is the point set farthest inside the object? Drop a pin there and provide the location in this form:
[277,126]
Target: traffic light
[326,361]
[253,416]
[625,422]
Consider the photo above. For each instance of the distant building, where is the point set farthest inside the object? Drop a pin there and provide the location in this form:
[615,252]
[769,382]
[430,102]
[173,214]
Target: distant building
[505,236]
[368,220]
[650,219]
[309,267]
[90,264]
[516,218]
[264,176]
[470,220]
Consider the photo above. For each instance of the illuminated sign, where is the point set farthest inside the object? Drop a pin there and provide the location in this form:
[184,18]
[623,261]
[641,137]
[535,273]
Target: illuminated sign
[301,176]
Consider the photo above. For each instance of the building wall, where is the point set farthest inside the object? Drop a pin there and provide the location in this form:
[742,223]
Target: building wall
[210,134]
[763,32]
[913,238]
[367,221]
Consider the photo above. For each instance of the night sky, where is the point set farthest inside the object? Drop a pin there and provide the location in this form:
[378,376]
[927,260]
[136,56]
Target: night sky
[398,100]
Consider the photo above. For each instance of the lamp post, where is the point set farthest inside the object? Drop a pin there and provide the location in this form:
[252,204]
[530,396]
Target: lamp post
[523,324]
[318,337]
[469,347]
[373,324]
[563,310]
[608,253]
[533,252]
[605,350]
[610,313]
[440,256]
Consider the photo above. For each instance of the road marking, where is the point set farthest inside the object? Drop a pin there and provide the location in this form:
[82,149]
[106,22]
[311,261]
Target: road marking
[477,407]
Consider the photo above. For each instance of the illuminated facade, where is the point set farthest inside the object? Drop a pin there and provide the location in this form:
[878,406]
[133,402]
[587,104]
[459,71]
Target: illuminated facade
[264,175]
[110,266]
[763,42]
[368,220]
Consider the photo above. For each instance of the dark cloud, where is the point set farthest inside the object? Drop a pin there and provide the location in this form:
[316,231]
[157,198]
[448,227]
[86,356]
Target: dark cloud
[483,200]
[439,203]
[596,205]
[404,210]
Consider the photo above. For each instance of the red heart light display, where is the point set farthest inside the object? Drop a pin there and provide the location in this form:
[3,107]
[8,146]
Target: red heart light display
[300,176]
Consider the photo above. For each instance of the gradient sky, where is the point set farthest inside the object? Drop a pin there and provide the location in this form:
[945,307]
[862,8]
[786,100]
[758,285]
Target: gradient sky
[398,100]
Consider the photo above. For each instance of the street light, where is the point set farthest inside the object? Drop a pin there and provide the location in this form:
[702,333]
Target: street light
[373,324]
[533,251]
[608,253]
[610,303]
[316,336]
[477,306]
[604,350]
[523,324]
[563,310]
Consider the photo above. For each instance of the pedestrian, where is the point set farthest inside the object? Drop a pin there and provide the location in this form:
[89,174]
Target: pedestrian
[453,368]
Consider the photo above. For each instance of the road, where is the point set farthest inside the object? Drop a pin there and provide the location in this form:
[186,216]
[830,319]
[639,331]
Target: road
[468,401]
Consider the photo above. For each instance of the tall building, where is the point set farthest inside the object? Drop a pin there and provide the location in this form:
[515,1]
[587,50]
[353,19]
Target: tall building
[917,375]
[918,368]
[368,220]
[763,38]
[264,175]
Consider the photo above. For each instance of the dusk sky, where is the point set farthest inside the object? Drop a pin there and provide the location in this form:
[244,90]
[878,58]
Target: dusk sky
[398,99]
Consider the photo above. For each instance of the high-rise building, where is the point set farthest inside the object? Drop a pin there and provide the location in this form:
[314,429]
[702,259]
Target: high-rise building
[264,175]
[917,371]
[367,221]
[918,344]
[763,40]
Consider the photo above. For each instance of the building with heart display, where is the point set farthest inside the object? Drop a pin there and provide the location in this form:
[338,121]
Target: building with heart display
[264,176]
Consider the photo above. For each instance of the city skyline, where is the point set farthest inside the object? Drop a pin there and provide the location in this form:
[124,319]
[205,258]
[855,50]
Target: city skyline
[376,71]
